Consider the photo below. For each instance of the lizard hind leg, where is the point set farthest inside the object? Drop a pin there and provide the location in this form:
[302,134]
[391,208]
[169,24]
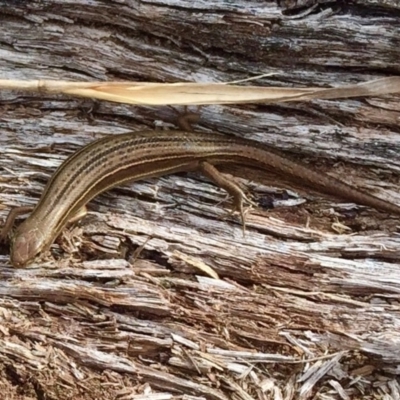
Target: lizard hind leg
[232,188]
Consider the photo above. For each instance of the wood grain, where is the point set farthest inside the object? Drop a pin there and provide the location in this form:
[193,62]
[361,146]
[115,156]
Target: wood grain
[307,301]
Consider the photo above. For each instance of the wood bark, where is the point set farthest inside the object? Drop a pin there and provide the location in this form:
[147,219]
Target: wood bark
[306,304]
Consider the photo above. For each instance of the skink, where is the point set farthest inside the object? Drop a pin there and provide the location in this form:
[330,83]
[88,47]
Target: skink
[116,159]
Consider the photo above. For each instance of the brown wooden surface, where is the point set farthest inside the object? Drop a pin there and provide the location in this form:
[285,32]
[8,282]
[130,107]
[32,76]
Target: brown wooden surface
[307,303]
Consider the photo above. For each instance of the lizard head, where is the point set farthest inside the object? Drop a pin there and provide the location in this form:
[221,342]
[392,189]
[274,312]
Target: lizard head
[26,244]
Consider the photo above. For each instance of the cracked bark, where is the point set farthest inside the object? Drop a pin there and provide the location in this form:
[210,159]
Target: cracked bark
[314,278]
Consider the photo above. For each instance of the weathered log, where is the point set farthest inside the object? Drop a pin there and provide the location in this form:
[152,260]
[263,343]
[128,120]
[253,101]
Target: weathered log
[307,301]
